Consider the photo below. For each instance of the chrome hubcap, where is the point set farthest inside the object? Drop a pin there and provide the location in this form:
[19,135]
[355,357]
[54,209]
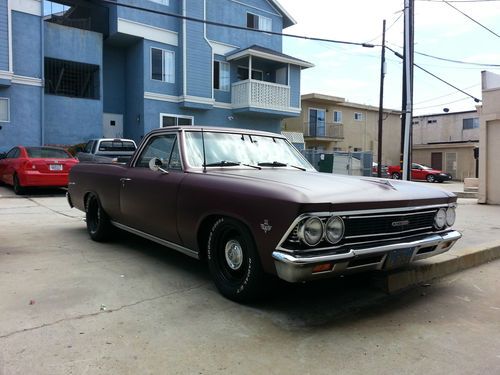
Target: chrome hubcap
[234,254]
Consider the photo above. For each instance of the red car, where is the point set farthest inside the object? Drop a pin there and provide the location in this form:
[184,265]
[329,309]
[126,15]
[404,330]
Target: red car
[36,166]
[420,172]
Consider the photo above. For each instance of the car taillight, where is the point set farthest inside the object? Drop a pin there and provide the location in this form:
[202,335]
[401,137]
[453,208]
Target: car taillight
[29,165]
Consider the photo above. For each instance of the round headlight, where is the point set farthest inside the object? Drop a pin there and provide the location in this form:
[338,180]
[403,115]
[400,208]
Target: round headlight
[440,218]
[334,229]
[450,216]
[311,231]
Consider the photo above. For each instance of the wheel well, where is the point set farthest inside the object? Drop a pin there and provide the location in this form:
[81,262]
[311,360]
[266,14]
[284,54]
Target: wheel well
[86,198]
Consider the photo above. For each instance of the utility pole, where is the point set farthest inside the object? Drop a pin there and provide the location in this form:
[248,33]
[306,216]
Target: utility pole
[407,110]
[381,104]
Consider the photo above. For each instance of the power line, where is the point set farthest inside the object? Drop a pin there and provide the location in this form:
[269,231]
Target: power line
[441,104]
[472,19]
[459,1]
[213,23]
[391,25]
[435,76]
[443,96]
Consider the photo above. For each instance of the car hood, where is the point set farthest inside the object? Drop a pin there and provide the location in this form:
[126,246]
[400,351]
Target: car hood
[316,187]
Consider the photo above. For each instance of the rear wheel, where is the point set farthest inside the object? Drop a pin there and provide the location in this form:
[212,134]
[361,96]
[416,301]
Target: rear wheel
[18,189]
[98,224]
[396,176]
[430,178]
[234,262]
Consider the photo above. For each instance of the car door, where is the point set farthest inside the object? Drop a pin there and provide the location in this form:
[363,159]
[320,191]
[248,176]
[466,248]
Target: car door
[148,199]
[416,172]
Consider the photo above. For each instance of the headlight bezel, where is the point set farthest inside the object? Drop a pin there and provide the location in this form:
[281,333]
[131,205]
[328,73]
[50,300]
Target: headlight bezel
[451,216]
[441,216]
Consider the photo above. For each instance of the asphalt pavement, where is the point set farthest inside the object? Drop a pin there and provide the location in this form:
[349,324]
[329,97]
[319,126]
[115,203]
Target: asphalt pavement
[73,306]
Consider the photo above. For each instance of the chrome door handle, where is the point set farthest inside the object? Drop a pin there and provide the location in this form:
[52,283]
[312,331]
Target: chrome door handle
[124,179]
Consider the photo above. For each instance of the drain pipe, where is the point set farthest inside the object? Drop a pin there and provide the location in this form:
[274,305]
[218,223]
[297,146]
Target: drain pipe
[42,88]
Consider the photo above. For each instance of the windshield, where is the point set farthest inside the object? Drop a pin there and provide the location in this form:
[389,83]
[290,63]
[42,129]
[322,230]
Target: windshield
[230,149]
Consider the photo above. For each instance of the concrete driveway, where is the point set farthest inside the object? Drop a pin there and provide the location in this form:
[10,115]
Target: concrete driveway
[73,306]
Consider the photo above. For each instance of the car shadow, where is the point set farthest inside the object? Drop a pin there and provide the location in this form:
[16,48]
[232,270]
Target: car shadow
[32,192]
[340,300]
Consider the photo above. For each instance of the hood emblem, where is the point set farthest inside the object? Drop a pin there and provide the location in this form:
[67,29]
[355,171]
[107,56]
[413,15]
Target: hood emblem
[265,226]
[401,223]
[382,183]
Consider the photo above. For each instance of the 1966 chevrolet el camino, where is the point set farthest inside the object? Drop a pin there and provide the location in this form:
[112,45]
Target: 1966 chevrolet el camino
[249,204]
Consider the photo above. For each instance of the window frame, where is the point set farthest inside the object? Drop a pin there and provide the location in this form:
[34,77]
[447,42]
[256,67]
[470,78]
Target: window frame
[163,74]
[219,76]
[8,108]
[340,117]
[473,121]
[161,2]
[258,17]
[360,116]
[253,71]
[174,146]
[177,117]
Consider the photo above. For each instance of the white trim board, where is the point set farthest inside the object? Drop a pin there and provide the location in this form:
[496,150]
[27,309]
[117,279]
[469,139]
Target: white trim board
[257,8]
[178,99]
[33,7]
[148,32]
[220,48]
[29,81]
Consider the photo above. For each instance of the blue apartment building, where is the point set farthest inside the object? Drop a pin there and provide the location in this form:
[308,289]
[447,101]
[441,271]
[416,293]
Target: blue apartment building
[78,69]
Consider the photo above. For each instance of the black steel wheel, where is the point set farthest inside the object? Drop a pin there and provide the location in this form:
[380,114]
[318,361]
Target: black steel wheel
[18,189]
[430,178]
[98,225]
[234,262]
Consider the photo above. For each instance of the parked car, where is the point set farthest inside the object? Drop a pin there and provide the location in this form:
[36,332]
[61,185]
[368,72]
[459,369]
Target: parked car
[24,167]
[420,172]
[249,204]
[107,150]
[384,173]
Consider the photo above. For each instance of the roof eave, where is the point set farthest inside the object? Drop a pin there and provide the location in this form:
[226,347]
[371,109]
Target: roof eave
[269,56]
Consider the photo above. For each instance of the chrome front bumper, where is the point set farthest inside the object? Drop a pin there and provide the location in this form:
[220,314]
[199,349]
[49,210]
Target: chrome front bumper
[294,268]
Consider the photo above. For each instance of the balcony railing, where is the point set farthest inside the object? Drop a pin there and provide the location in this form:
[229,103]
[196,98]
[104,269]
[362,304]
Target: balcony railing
[260,94]
[324,131]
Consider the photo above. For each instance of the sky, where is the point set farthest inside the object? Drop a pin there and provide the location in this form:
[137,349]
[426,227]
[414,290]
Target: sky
[353,72]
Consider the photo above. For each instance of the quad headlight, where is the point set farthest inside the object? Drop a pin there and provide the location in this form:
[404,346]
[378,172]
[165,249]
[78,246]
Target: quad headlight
[311,231]
[450,216]
[334,229]
[440,219]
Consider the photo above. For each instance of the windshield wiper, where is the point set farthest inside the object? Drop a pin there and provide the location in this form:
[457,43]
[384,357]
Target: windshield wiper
[222,163]
[279,164]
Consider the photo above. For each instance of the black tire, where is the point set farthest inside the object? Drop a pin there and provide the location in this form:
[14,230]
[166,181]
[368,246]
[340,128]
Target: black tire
[396,176]
[98,225]
[18,189]
[430,178]
[234,262]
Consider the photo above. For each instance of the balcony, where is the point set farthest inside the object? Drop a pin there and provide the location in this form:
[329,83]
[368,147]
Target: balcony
[323,131]
[253,94]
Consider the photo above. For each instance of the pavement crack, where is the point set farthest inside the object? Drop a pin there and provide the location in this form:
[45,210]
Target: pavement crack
[107,311]
[54,211]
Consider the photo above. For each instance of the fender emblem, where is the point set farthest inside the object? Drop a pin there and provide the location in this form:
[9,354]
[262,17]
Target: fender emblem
[265,226]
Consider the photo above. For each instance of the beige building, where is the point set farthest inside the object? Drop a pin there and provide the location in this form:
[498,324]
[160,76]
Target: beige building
[446,142]
[489,151]
[330,123]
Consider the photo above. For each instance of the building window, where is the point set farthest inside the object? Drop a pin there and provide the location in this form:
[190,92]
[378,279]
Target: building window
[221,76]
[358,116]
[259,22]
[162,65]
[337,117]
[4,110]
[69,78]
[243,74]
[431,121]
[167,120]
[163,2]
[470,123]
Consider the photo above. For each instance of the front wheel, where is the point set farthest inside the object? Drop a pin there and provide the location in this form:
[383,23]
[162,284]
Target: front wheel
[396,176]
[430,178]
[234,262]
[98,224]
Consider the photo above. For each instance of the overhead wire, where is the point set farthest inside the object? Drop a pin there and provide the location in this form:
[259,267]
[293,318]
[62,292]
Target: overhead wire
[472,19]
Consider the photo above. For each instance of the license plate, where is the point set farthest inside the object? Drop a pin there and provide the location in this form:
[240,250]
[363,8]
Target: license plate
[398,258]
[56,167]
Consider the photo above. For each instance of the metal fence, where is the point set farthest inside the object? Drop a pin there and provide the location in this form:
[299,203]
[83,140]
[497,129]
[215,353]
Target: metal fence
[348,163]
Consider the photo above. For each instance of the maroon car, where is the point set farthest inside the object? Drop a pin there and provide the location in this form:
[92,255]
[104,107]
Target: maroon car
[252,206]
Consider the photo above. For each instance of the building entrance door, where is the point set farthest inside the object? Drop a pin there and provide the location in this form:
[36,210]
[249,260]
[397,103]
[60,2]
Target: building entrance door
[437,160]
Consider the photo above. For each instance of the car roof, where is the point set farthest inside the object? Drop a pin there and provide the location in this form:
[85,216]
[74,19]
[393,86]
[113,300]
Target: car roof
[219,129]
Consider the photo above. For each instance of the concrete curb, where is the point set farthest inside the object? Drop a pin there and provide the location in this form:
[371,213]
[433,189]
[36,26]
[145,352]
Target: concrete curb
[466,194]
[429,269]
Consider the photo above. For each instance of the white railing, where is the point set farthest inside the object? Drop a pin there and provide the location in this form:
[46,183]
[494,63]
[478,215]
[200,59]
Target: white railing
[260,94]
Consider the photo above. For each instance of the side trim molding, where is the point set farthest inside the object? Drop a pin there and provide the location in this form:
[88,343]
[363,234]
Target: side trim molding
[179,248]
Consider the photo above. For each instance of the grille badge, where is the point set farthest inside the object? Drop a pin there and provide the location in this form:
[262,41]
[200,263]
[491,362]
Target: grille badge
[400,223]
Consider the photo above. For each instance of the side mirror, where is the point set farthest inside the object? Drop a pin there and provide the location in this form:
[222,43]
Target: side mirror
[156,165]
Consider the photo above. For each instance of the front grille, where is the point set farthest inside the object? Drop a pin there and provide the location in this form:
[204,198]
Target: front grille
[359,226]
[372,227]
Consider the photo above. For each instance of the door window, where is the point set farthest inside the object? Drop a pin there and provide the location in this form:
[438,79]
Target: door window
[316,122]
[163,147]
[14,153]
